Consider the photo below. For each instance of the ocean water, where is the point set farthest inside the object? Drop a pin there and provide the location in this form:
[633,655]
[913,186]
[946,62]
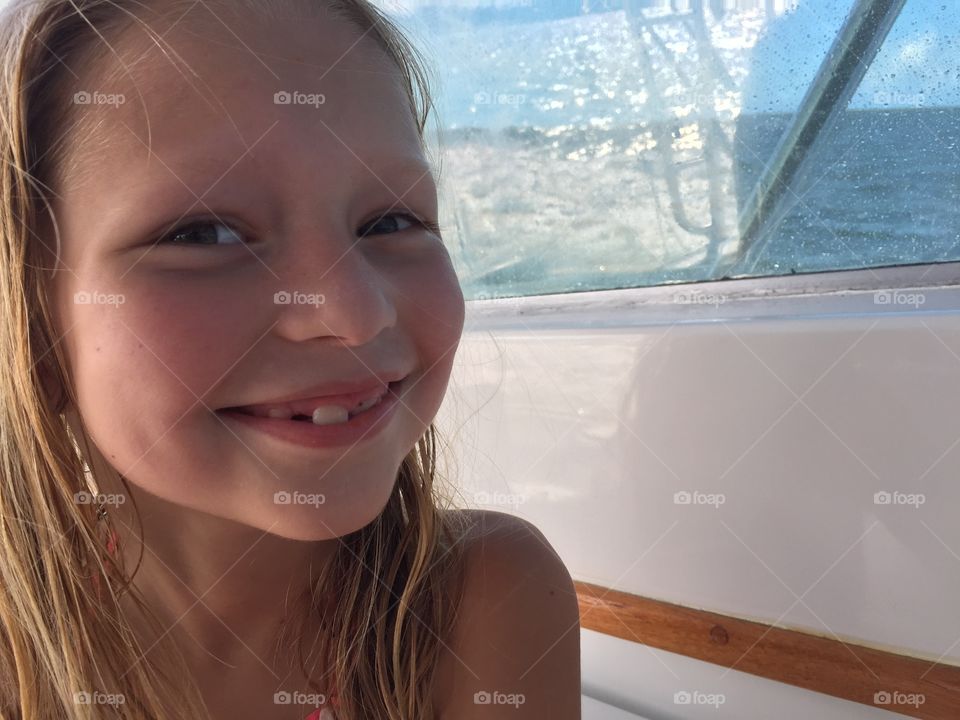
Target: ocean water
[885,190]
[598,151]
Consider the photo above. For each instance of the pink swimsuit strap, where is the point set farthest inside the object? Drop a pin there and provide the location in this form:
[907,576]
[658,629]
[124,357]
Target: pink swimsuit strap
[327,711]
[324,713]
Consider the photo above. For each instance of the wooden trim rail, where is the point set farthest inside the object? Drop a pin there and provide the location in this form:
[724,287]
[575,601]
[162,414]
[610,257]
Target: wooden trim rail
[824,665]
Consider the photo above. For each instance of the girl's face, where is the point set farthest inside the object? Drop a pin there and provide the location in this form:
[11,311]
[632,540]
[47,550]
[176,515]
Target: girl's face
[285,138]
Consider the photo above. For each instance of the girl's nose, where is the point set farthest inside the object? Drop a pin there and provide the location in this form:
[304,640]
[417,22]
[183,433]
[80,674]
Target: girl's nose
[341,295]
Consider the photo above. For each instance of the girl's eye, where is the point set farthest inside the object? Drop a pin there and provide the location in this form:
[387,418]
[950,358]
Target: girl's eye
[212,232]
[389,221]
[202,232]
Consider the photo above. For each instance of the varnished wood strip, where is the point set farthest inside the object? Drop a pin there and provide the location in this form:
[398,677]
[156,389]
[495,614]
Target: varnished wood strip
[825,665]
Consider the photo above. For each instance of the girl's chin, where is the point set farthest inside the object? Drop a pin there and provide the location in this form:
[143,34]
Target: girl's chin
[307,532]
[312,524]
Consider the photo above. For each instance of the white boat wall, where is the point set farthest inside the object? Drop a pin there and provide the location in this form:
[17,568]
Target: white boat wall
[787,456]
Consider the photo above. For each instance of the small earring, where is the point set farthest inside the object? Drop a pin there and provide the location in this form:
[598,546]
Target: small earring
[113,540]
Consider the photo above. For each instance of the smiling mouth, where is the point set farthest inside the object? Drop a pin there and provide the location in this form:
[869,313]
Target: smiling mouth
[323,414]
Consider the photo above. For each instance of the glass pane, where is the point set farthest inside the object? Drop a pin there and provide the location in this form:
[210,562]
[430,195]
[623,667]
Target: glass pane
[600,144]
[885,184]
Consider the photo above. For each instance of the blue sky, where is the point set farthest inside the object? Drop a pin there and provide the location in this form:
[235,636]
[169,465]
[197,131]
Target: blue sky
[918,64]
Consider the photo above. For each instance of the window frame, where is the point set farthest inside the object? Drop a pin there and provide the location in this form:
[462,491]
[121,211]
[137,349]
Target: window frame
[833,293]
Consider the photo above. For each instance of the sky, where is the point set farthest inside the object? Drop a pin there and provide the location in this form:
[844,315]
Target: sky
[919,64]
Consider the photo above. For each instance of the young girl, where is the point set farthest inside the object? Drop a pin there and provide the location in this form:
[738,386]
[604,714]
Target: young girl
[228,320]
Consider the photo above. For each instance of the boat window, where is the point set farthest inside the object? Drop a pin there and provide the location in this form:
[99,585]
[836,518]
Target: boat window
[883,186]
[600,144]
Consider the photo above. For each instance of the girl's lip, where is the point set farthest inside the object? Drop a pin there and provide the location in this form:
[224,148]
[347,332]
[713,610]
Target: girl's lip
[359,428]
[349,398]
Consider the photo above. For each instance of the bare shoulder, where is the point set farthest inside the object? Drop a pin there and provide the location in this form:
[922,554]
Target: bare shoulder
[515,650]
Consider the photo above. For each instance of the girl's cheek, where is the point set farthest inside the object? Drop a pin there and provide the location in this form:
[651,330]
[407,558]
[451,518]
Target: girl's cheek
[433,314]
[438,310]
[168,341]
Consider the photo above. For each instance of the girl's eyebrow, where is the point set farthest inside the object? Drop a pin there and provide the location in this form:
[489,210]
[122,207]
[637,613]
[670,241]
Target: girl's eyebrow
[414,168]
[183,163]
[405,167]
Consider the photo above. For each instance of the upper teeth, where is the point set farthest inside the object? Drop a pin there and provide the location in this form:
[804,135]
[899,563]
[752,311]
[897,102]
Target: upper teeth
[326,414]
[365,405]
[330,415]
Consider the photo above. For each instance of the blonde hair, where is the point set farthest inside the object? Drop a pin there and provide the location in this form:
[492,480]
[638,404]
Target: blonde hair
[396,578]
